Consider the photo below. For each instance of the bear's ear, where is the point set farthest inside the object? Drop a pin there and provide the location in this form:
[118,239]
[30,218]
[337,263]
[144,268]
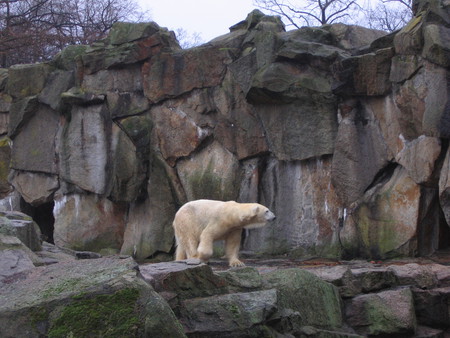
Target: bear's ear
[255,210]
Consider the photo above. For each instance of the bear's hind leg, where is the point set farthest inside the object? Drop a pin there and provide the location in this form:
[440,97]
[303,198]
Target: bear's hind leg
[232,244]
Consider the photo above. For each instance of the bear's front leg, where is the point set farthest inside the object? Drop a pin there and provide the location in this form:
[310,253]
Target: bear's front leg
[205,247]
[232,245]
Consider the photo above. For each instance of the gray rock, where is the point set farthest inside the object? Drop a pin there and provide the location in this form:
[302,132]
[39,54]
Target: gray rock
[35,146]
[317,302]
[242,279]
[419,157]
[360,152]
[20,112]
[342,277]
[444,187]
[45,301]
[17,224]
[84,149]
[300,132]
[123,104]
[13,262]
[183,71]
[235,314]
[352,37]
[414,274]
[27,80]
[384,313]
[180,280]
[387,225]
[149,222]
[442,273]
[308,210]
[35,188]
[436,44]
[57,83]
[212,173]
[88,223]
[128,173]
[373,279]
[431,306]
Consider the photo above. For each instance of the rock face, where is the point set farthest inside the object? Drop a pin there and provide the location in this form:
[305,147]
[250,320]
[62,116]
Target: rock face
[341,131]
[87,297]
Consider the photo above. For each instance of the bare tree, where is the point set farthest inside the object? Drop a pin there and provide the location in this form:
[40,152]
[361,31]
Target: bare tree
[310,12]
[35,30]
[390,15]
[188,40]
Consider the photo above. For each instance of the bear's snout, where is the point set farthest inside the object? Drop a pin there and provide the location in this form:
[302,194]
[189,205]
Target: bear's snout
[270,216]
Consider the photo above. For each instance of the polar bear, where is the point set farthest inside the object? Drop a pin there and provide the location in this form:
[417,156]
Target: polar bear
[199,223]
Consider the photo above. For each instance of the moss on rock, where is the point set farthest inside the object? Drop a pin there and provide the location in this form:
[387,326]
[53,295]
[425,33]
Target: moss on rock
[113,315]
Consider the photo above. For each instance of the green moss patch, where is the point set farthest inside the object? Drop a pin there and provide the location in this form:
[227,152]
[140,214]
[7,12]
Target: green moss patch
[112,315]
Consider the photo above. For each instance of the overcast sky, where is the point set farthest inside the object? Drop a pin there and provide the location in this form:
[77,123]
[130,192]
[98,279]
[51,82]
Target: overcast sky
[209,18]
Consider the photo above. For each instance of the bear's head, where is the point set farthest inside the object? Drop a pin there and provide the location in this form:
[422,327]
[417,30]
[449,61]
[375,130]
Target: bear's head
[257,216]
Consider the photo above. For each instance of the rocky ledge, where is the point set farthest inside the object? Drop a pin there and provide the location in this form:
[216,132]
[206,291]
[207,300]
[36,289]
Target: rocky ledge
[71,296]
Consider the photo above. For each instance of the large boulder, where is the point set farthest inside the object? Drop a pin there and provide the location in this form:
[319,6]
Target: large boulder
[360,152]
[35,146]
[384,313]
[149,222]
[15,257]
[88,223]
[84,150]
[21,226]
[212,173]
[316,302]
[306,205]
[168,75]
[35,188]
[27,80]
[235,315]
[80,298]
[300,132]
[384,222]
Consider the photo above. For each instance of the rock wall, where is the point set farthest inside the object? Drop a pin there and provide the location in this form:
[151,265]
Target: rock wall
[340,130]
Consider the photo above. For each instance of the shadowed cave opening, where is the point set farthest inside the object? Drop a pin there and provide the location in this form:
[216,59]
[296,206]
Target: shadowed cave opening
[43,216]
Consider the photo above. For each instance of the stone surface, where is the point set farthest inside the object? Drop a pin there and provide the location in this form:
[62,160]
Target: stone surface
[178,135]
[37,142]
[237,312]
[180,280]
[317,302]
[415,275]
[300,132]
[21,226]
[35,188]
[85,149]
[88,222]
[149,223]
[27,80]
[183,71]
[308,209]
[437,40]
[419,157]
[383,313]
[360,152]
[82,297]
[386,219]
[444,187]
[339,129]
[432,306]
[127,168]
[212,173]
